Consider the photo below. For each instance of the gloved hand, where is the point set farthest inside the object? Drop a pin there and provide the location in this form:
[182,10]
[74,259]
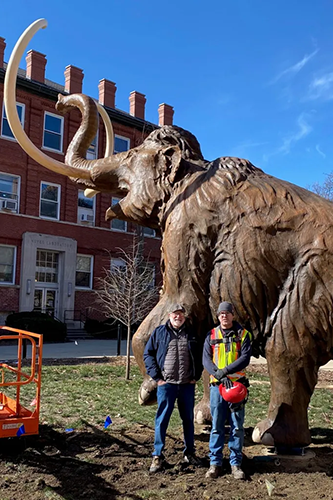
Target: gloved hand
[226,382]
[219,374]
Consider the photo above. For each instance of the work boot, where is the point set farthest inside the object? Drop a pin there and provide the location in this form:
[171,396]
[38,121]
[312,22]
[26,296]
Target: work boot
[157,464]
[192,459]
[214,471]
[237,472]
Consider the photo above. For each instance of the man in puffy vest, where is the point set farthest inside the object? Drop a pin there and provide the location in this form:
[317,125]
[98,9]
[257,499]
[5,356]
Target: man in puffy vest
[173,359]
[226,353]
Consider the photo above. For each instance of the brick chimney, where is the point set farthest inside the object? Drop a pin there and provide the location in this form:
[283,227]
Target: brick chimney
[165,114]
[73,79]
[107,93]
[2,51]
[36,63]
[137,104]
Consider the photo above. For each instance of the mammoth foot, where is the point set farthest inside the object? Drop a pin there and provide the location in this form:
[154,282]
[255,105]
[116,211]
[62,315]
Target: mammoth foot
[261,433]
[147,392]
[202,413]
[288,429]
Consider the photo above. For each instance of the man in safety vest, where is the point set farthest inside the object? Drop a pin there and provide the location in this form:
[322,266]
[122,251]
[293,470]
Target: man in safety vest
[226,353]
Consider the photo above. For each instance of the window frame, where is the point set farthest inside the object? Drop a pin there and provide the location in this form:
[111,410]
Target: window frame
[58,202]
[6,283]
[116,262]
[149,235]
[11,138]
[96,148]
[127,139]
[91,257]
[61,118]
[83,210]
[124,221]
[17,199]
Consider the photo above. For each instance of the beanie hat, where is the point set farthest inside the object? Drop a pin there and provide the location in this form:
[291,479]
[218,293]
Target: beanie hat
[225,306]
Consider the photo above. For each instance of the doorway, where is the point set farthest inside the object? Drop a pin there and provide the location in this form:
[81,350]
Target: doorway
[45,301]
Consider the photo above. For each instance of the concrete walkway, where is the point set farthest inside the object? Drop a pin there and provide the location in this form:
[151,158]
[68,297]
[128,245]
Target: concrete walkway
[77,349]
[91,349]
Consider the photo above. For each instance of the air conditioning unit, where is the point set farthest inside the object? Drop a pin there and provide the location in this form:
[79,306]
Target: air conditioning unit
[87,218]
[9,205]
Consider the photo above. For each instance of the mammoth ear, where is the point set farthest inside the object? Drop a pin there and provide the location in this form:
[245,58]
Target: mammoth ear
[170,159]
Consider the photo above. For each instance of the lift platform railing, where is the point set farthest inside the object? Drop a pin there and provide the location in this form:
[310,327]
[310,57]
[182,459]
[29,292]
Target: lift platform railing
[14,416]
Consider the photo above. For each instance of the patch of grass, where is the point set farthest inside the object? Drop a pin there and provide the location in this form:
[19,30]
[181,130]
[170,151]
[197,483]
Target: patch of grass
[77,395]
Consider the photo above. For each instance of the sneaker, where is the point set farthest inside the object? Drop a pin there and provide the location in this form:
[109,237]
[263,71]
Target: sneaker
[214,471]
[157,464]
[192,459]
[237,472]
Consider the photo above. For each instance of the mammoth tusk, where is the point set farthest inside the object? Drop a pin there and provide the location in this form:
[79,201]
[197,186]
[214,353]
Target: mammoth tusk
[109,148]
[90,193]
[11,111]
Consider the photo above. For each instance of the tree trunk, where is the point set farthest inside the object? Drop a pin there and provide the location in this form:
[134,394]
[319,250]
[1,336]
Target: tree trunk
[128,351]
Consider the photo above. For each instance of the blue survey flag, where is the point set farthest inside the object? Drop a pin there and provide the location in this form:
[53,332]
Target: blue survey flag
[20,431]
[69,430]
[107,422]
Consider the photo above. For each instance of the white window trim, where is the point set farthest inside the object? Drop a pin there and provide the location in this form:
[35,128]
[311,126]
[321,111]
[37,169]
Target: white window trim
[91,272]
[96,155]
[6,283]
[2,118]
[18,177]
[58,203]
[116,262]
[149,235]
[82,209]
[61,118]
[125,222]
[124,139]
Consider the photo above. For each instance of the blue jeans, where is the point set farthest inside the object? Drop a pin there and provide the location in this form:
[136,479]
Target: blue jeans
[220,412]
[166,398]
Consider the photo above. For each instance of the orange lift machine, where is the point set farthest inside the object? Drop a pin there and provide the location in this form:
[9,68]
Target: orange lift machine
[20,383]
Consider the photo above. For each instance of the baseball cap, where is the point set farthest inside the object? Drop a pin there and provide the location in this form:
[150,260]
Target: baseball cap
[177,307]
[225,306]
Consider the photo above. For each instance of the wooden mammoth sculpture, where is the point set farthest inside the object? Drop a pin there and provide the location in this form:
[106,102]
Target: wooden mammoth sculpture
[229,232]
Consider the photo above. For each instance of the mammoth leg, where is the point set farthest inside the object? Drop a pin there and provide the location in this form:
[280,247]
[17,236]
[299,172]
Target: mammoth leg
[293,379]
[202,413]
[147,392]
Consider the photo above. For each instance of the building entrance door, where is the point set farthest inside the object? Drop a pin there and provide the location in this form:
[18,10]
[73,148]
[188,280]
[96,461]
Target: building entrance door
[45,300]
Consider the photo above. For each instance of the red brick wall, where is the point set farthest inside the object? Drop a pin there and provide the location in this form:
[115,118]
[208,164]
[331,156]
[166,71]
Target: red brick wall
[90,240]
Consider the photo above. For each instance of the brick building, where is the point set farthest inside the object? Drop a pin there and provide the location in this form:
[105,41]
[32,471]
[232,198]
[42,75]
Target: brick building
[54,242]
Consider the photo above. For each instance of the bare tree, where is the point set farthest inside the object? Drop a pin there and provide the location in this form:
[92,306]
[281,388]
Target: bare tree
[326,189]
[127,292]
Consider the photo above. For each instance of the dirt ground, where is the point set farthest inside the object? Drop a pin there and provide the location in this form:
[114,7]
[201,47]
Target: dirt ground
[99,465]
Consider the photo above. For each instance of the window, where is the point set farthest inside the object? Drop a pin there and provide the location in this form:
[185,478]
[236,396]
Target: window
[152,269]
[83,271]
[93,149]
[49,200]
[9,191]
[116,224]
[117,264]
[86,209]
[147,231]
[7,264]
[121,144]
[53,132]
[5,128]
[47,266]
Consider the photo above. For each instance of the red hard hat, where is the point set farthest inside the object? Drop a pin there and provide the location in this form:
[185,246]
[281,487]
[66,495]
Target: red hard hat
[235,394]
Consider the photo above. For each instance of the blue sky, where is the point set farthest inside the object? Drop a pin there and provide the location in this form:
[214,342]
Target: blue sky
[249,79]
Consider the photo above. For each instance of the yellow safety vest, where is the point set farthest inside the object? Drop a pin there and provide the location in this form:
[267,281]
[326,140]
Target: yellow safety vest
[226,350]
